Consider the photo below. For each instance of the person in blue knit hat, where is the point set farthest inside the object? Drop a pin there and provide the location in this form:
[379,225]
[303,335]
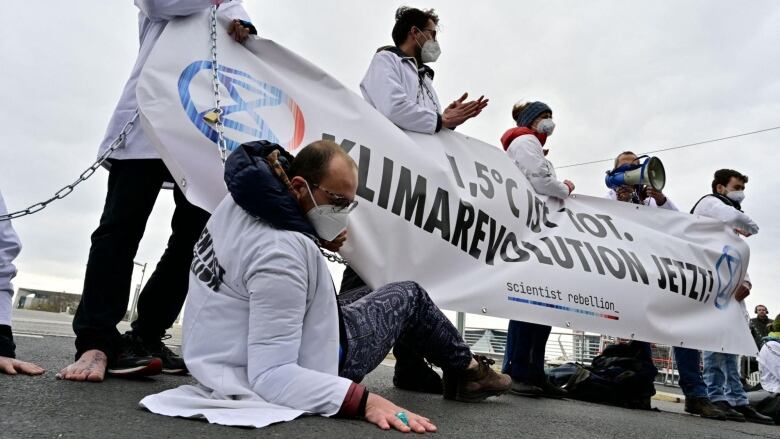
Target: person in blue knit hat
[525,343]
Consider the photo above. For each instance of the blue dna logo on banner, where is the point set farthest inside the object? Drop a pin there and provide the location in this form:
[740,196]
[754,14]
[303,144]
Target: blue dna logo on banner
[728,268]
[241,106]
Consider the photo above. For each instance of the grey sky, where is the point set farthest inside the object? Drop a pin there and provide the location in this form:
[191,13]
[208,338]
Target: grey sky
[618,75]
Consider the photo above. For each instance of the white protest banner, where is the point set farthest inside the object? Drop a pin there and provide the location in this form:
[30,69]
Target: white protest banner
[451,212]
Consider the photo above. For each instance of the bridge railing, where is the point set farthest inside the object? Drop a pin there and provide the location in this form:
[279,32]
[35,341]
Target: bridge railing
[571,347]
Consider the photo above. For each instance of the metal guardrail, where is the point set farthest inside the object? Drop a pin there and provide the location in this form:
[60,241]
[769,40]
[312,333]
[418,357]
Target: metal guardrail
[577,347]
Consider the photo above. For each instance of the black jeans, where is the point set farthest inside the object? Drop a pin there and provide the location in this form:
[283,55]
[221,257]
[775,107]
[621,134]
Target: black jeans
[133,186]
[398,311]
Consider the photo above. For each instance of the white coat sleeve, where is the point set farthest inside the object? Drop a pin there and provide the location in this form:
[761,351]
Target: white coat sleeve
[526,152]
[278,281]
[713,208]
[170,9]
[668,205]
[9,249]
[382,88]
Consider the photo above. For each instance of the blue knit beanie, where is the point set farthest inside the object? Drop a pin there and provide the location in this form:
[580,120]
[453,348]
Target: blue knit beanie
[531,112]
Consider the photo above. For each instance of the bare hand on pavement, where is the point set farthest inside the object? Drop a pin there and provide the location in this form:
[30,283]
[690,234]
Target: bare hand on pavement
[382,413]
[12,366]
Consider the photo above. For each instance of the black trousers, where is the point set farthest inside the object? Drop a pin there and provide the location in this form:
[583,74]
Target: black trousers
[133,187]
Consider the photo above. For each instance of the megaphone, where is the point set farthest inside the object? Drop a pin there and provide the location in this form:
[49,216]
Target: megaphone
[648,173]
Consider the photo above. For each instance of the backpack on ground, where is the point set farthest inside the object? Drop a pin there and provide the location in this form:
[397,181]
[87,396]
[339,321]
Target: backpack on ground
[622,375]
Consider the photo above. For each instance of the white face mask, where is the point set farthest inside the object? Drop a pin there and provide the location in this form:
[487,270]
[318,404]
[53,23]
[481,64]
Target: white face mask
[737,196]
[429,51]
[545,126]
[327,220]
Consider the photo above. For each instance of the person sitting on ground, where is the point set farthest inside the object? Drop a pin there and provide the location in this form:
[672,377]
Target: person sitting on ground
[525,342]
[769,359]
[760,326]
[766,400]
[264,333]
[9,249]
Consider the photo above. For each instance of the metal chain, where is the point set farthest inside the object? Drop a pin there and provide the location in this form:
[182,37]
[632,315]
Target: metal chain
[120,140]
[65,191]
[223,152]
[332,257]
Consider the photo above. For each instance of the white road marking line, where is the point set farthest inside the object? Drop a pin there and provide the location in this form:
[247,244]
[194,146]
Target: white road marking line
[20,334]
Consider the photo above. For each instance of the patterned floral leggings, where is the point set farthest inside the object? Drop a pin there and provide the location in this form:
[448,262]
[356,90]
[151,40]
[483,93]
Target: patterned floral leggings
[399,312]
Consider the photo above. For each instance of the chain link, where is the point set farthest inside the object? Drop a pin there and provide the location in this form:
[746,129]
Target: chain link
[332,257]
[68,189]
[223,153]
[122,137]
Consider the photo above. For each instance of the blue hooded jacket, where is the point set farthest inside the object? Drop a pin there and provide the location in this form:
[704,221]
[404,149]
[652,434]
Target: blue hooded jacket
[254,186]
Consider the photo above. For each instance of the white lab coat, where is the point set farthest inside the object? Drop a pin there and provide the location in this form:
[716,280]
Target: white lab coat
[9,249]
[712,207]
[526,152]
[649,201]
[264,346]
[153,16]
[392,86]
[769,366]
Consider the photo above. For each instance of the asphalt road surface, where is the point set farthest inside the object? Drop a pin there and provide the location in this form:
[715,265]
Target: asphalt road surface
[43,407]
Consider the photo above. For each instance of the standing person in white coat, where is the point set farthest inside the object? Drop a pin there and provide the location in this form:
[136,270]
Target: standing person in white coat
[721,370]
[265,334]
[399,84]
[525,342]
[135,178]
[9,250]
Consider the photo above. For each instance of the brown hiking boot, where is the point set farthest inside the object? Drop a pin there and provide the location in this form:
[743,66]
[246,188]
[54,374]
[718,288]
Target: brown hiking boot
[703,407]
[474,385]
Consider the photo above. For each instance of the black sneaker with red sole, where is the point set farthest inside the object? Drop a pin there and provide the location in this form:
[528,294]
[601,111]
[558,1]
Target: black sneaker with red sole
[133,360]
[172,364]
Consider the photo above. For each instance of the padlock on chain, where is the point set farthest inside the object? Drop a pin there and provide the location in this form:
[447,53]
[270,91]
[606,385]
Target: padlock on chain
[212,117]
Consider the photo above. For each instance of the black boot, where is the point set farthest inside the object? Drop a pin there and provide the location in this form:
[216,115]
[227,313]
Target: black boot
[751,415]
[413,373]
[703,407]
[731,414]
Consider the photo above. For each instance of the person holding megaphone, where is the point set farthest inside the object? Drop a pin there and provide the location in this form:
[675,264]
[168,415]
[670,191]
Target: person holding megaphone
[639,182]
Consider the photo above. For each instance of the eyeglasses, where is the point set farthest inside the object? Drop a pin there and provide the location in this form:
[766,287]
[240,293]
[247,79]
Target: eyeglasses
[339,202]
[432,31]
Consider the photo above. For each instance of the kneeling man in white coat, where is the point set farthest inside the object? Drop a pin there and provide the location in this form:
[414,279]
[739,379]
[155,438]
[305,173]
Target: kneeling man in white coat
[265,334]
